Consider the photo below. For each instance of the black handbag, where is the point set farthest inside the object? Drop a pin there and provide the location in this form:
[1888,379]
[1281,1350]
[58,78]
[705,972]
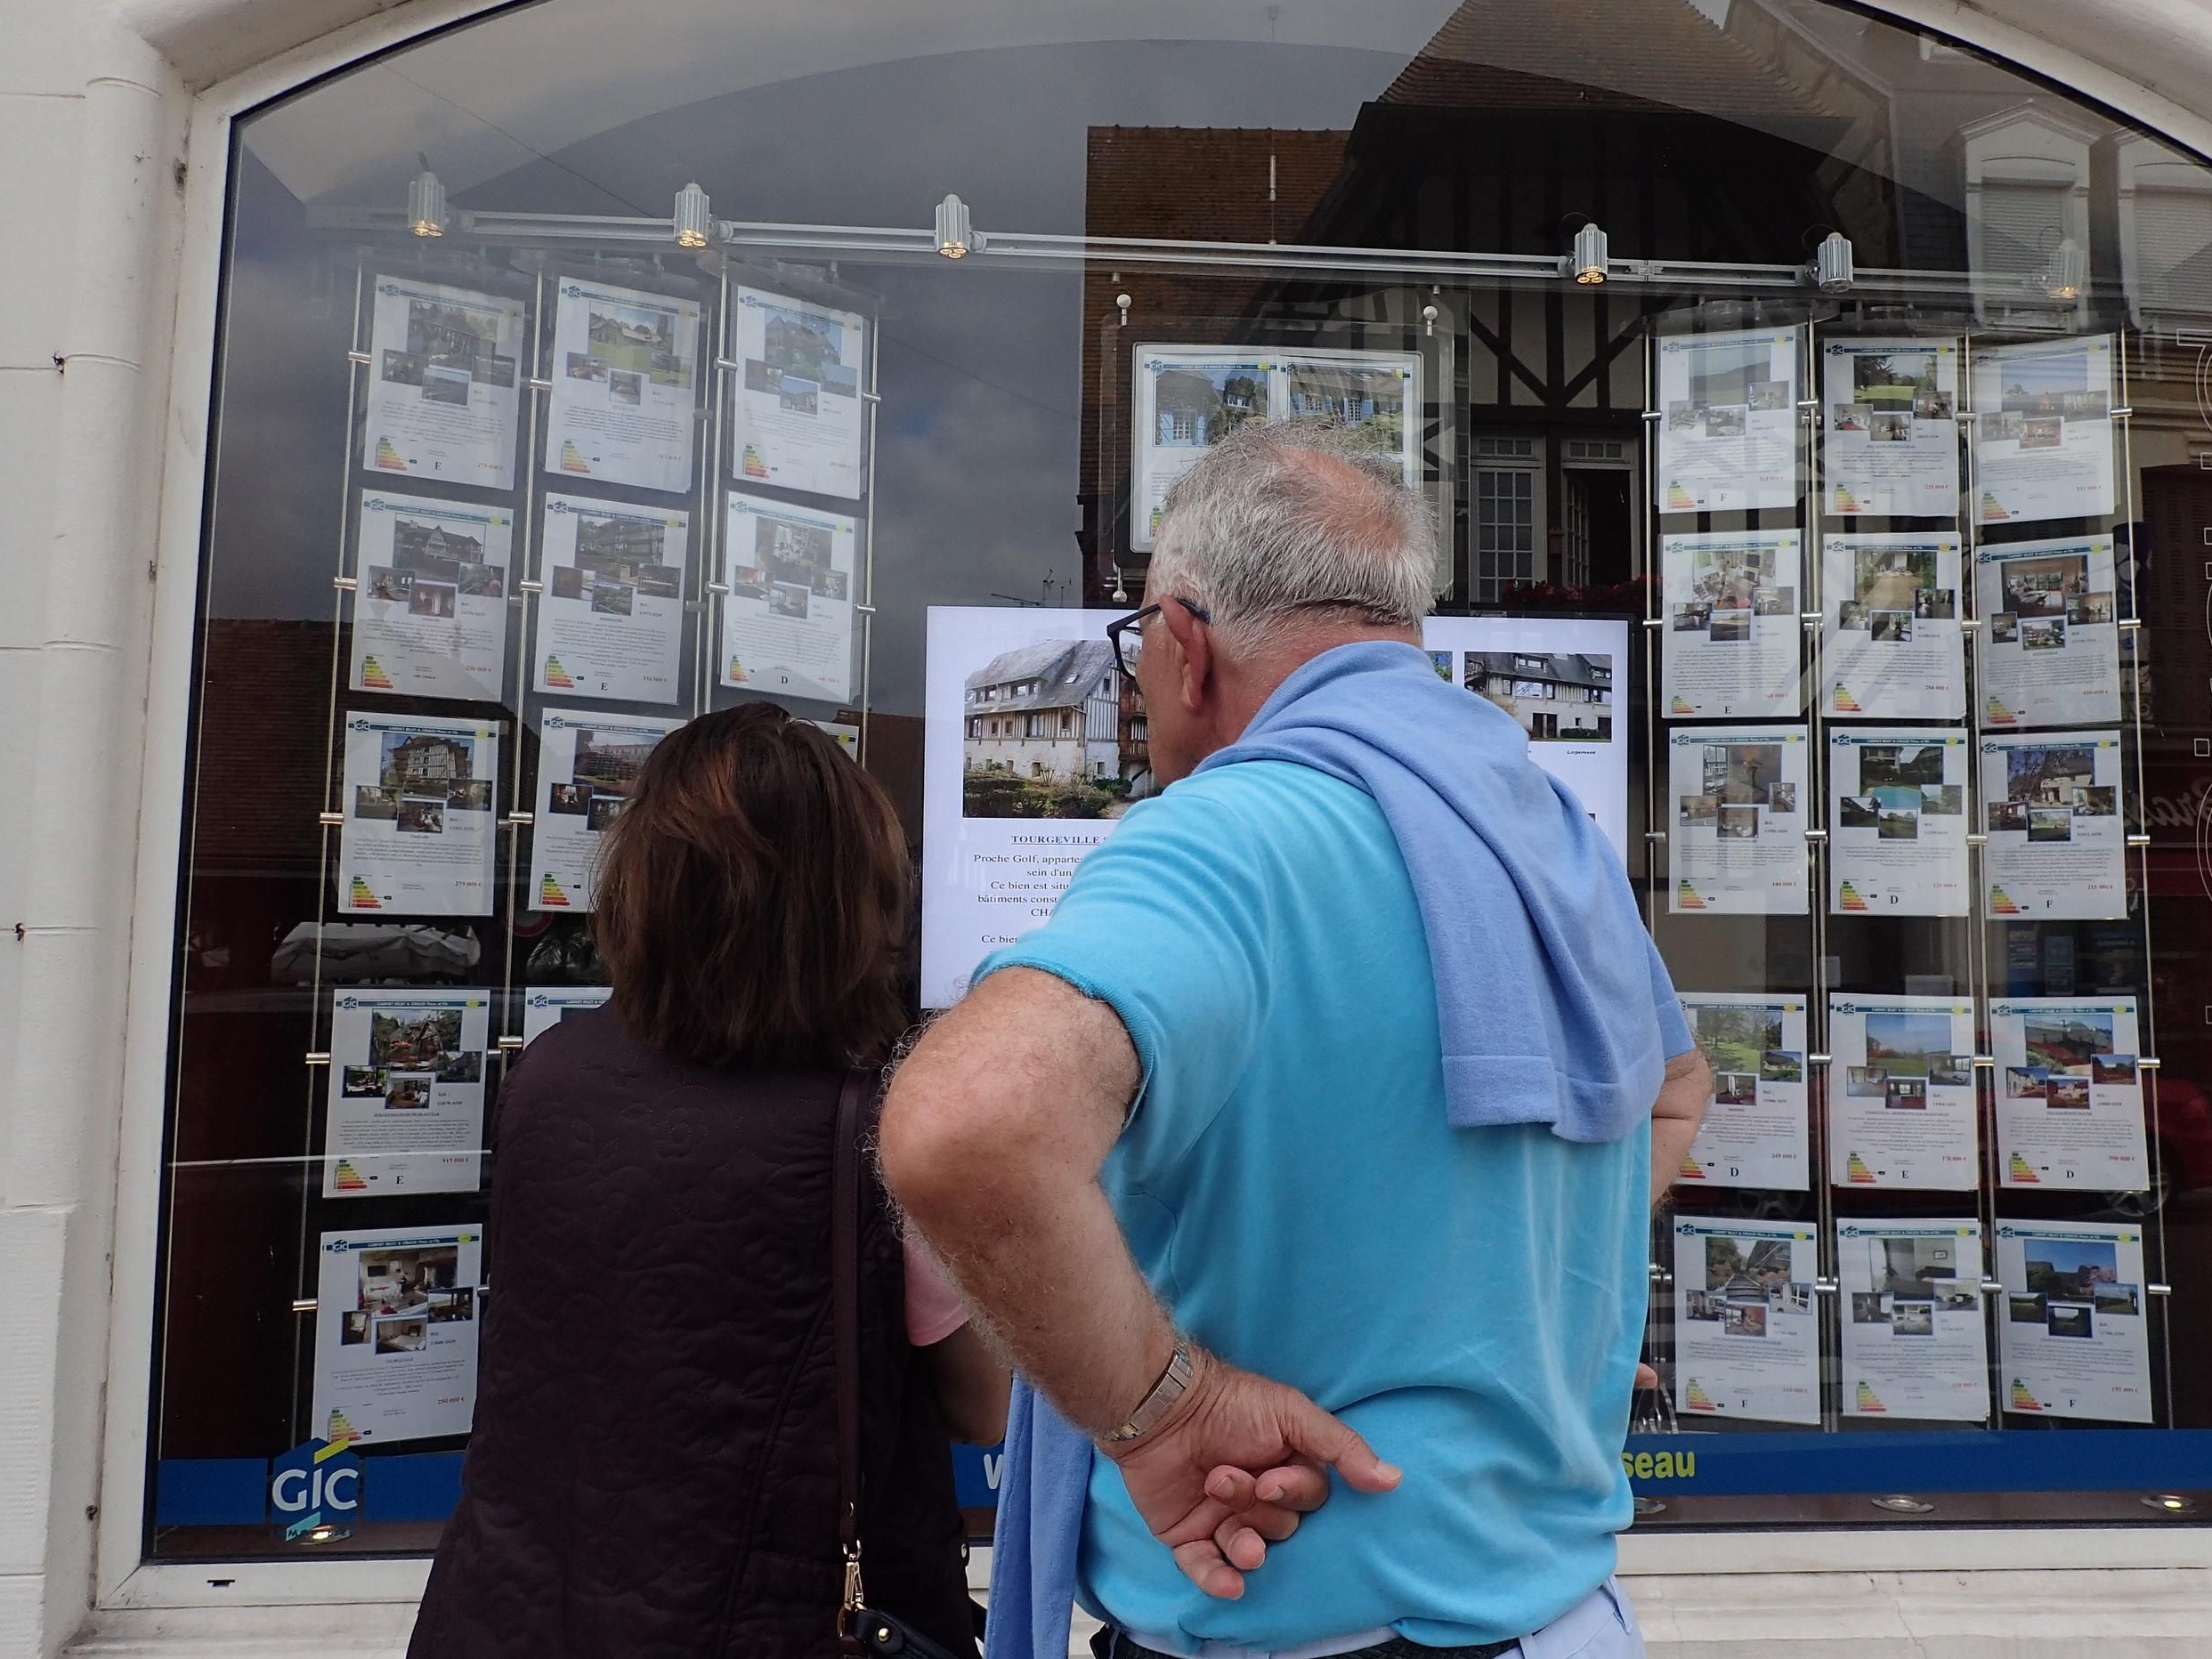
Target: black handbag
[861,1628]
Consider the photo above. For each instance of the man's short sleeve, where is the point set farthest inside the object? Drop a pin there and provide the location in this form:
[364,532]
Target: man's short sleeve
[1166,922]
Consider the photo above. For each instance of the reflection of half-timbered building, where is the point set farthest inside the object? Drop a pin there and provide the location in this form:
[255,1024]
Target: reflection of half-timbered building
[1684,139]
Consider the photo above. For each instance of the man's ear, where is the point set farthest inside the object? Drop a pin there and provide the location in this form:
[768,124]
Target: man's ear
[1194,643]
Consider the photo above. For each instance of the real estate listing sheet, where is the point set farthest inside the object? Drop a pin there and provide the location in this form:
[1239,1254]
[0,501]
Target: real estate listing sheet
[587,765]
[430,598]
[1890,413]
[2042,429]
[846,732]
[2051,807]
[1746,1335]
[1891,646]
[1914,1342]
[443,383]
[2071,1335]
[1901,1109]
[396,1312]
[787,620]
[1189,397]
[1556,676]
[611,618]
[1729,421]
[625,369]
[2069,1094]
[544,1007]
[418,838]
[798,419]
[407,1092]
[1737,838]
[2050,652]
[1754,1129]
[1731,647]
[1897,820]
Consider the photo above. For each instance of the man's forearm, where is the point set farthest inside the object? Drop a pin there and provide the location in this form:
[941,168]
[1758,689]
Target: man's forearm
[993,1136]
[1058,1291]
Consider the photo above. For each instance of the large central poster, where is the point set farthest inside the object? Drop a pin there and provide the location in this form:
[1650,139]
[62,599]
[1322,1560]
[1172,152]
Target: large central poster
[1035,747]
[1037,744]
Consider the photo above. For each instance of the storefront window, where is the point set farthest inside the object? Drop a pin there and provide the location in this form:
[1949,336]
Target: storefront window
[1814,413]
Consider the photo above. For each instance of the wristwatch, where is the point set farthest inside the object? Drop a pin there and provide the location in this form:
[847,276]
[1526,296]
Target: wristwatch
[1156,1405]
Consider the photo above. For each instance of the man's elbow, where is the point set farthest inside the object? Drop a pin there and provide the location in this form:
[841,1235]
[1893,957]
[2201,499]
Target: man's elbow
[929,1149]
[1688,1085]
[1691,1069]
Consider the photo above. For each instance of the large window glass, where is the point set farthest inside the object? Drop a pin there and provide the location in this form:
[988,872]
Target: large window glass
[1814,413]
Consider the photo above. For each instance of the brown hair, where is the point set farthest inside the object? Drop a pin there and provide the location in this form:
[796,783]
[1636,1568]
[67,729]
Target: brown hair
[752,897]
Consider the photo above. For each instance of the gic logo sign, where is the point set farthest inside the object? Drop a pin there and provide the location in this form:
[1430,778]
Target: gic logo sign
[315,1485]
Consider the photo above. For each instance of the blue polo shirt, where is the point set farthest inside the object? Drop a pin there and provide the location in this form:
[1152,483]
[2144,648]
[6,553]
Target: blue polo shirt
[1470,1300]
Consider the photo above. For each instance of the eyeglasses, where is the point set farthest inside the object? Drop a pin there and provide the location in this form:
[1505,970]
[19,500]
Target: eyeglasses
[1126,634]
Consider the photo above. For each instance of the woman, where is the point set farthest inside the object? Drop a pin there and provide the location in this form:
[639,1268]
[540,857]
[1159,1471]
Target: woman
[654,1470]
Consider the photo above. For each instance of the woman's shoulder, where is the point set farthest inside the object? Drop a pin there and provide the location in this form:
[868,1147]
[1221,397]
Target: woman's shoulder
[579,1035]
[591,1051]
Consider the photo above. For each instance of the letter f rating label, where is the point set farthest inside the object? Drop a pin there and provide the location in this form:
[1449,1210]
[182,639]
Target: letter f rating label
[315,1491]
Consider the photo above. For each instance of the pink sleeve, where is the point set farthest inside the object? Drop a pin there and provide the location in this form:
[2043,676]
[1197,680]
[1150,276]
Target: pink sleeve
[934,1309]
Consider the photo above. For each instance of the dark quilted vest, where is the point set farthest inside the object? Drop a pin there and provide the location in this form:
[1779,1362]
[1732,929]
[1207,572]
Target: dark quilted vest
[652,1471]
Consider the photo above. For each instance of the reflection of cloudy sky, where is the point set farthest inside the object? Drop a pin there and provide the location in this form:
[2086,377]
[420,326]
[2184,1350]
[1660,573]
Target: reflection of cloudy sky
[977,471]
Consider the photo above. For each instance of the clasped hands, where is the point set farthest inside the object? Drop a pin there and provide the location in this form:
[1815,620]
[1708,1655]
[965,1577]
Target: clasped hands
[1233,1467]
[1236,1463]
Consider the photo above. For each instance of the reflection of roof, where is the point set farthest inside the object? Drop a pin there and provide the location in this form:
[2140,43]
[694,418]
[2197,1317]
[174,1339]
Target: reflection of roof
[1594,54]
[1065,671]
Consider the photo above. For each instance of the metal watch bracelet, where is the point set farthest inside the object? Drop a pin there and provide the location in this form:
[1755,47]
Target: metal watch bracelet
[1156,1405]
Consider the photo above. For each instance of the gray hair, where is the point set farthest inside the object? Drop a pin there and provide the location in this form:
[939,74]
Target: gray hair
[1295,515]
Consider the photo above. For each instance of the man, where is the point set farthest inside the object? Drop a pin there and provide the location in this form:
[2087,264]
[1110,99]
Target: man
[1335,1081]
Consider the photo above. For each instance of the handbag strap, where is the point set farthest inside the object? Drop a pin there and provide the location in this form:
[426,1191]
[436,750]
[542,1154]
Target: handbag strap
[845,1323]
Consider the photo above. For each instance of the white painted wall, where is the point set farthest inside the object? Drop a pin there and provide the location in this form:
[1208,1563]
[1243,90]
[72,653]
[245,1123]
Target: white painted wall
[90,122]
[42,111]
[109,240]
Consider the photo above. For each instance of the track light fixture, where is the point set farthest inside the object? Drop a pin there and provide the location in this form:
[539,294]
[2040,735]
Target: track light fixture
[956,230]
[694,225]
[1831,262]
[1586,261]
[2069,270]
[425,202]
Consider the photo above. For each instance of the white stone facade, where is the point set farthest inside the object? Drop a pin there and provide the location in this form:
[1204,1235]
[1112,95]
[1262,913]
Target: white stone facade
[114,118]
